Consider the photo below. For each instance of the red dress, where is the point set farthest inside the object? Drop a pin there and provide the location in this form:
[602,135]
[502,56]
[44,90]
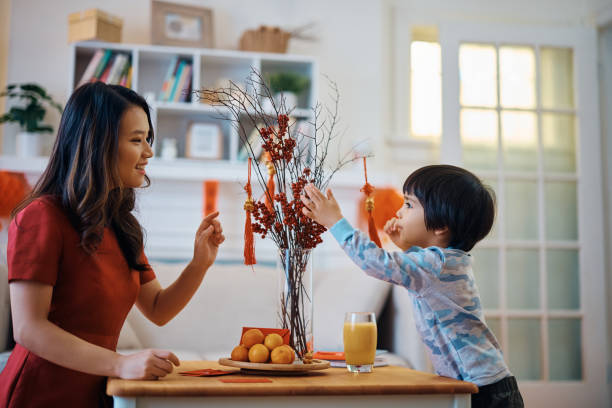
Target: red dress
[92,295]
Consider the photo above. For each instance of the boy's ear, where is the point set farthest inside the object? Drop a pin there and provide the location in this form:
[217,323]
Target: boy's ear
[441,231]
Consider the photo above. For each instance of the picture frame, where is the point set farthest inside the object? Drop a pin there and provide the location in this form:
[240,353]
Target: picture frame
[181,25]
[204,141]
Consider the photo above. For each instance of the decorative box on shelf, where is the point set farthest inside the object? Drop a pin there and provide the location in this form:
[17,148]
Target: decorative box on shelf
[94,24]
[265,39]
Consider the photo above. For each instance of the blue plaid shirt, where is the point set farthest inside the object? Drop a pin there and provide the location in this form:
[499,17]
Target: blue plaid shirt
[447,306]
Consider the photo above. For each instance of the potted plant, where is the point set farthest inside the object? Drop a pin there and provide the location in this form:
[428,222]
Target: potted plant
[30,116]
[287,85]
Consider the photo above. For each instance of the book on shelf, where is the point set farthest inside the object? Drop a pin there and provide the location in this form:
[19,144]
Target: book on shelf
[109,67]
[186,95]
[181,89]
[129,78]
[168,78]
[91,67]
[123,78]
[117,68]
[102,64]
[175,80]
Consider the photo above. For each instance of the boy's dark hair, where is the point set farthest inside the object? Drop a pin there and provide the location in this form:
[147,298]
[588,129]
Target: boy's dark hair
[455,198]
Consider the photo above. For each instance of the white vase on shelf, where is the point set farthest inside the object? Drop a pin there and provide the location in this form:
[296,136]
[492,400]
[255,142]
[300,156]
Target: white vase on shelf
[29,144]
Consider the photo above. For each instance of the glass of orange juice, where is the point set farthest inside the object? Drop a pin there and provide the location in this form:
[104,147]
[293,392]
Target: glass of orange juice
[359,341]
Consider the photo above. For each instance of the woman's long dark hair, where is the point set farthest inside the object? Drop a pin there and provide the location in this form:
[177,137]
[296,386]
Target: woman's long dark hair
[82,174]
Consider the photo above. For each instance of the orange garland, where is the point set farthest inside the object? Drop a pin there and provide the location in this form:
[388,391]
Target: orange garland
[249,206]
[368,189]
[13,189]
[211,195]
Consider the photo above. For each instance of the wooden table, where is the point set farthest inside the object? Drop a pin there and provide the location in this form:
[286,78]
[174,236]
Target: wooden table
[334,387]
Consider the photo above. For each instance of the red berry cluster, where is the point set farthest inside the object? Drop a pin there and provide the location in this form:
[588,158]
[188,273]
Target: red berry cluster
[281,146]
[307,232]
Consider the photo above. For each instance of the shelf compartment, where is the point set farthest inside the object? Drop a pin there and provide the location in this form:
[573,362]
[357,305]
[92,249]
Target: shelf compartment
[152,70]
[305,99]
[175,124]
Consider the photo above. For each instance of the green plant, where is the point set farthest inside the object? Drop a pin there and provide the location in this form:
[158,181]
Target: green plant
[31,115]
[288,82]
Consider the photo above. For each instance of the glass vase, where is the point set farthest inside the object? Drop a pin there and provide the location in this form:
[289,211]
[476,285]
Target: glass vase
[295,301]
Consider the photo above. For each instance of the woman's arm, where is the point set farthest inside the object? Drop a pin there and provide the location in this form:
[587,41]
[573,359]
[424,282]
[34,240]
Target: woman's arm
[161,305]
[30,303]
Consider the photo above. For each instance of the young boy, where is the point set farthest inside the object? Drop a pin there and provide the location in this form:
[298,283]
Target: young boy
[447,211]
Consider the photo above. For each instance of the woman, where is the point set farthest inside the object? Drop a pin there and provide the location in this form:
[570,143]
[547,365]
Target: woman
[76,260]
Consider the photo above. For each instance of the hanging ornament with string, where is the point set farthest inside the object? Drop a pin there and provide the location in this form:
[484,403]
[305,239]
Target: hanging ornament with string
[368,189]
[249,207]
[270,187]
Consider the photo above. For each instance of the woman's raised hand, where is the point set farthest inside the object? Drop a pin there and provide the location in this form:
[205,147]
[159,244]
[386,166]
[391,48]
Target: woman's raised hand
[146,365]
[207,240]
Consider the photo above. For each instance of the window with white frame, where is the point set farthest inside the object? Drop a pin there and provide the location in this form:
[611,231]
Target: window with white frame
[509,112]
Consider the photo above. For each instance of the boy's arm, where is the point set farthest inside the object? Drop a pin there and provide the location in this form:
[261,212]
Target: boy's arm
[413,269]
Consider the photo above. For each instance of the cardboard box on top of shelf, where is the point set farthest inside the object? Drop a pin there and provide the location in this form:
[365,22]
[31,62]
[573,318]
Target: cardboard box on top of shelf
[94,24]
[265,39]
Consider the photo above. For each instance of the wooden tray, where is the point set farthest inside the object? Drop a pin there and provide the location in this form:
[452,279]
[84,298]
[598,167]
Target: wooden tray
[279,369]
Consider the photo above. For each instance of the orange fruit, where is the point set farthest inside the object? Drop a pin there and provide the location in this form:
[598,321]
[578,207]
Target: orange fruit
[272,341]
[251,337]
[282,355]
[240,353]
[258,353]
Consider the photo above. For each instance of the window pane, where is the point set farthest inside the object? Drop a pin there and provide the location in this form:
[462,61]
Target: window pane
[563,279]
[561,210]
[479,138]
[565,349]
[557,78]
[525,348]
[523,279]
[520,140]
[478,75]
[559,142]
[486,274]
[425,90]
[521,218]
[517,77]
[494,186]
[495,326]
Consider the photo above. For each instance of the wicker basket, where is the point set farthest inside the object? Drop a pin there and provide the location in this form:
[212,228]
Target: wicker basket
[265,39]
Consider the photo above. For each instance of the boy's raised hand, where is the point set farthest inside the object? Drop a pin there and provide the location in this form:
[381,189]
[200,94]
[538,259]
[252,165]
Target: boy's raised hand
[392,230]
[322,209]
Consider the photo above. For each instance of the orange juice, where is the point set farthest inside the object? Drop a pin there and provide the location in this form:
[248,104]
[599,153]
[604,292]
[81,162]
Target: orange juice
[359,343]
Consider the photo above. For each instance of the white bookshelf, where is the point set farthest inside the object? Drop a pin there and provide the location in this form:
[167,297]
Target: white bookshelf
[172,119]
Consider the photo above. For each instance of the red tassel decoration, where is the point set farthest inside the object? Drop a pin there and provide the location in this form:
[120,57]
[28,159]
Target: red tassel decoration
[249,206]
[368,189]
[270,186]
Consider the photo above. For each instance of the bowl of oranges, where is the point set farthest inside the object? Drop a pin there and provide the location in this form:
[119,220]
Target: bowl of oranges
[268,350]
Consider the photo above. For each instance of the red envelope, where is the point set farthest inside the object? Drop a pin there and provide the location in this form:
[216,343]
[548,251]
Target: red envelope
[329,355]
[207,372]
[284,333]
